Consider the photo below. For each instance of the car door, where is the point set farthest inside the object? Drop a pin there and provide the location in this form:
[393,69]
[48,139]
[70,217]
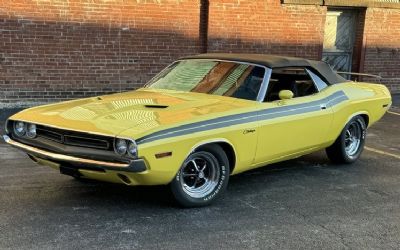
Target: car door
[293,126]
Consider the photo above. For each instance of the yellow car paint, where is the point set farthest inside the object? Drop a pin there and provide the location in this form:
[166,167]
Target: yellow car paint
[255,143]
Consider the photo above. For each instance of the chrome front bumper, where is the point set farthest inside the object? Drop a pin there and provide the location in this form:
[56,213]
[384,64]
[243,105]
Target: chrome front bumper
[135,166]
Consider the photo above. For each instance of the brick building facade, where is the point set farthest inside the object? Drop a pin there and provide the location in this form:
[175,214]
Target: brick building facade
[55,50]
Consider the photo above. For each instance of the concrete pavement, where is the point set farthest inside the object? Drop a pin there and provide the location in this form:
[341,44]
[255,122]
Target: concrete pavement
[299,204]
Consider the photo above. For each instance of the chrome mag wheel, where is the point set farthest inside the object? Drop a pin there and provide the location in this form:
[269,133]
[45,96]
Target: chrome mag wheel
[350,143]
[202,177]
[353,136]
[199,174]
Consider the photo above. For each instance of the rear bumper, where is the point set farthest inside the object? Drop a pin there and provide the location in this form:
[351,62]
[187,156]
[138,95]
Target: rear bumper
[134,166]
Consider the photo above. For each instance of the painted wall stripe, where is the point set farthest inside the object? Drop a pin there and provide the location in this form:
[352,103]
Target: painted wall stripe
[248,117]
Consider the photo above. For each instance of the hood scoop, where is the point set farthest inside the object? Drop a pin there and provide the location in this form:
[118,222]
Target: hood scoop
[155,106]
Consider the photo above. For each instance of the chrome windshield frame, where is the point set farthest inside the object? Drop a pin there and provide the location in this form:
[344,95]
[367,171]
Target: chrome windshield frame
[263,87]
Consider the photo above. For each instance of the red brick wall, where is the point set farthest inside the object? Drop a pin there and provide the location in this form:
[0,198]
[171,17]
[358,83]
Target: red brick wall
[266,27]
[358,43]
[382,45]
[56,49]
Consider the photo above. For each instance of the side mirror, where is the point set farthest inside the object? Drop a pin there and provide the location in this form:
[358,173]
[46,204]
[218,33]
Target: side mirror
[285,94]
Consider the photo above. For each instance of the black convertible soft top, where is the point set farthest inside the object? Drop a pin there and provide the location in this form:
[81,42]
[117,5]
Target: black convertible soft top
[272,61]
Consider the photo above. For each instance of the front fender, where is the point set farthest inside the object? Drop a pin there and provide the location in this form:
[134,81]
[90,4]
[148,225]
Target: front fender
[164,169]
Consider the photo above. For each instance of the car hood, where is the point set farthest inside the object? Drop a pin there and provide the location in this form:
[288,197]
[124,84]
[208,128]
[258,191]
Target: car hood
[134,113]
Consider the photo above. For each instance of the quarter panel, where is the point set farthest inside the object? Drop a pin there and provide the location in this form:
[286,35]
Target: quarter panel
[364,98]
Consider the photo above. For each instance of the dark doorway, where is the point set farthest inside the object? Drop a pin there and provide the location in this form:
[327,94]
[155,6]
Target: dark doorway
[343,39]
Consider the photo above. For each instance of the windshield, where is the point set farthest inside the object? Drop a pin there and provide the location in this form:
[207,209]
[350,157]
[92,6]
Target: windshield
[212,77]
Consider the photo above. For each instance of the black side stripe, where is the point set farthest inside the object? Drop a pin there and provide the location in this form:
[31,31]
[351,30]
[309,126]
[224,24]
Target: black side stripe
[248,117]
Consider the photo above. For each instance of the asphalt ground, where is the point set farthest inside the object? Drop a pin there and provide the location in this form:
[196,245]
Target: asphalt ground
[307,203]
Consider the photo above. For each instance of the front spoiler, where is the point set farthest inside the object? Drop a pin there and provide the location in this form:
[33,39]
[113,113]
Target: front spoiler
[135,166]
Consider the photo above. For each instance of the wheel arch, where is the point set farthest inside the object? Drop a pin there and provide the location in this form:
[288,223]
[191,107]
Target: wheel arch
[226,146]
[363,114]
[366,118]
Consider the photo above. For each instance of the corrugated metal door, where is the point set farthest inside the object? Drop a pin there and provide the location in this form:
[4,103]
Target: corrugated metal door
[339,39]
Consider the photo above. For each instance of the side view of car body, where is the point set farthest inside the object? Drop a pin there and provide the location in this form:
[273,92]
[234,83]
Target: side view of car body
[202,119]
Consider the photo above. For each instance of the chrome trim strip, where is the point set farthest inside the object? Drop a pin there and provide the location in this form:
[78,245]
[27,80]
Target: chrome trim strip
[358,74]
[314,77]
[264,85]
[61,157]
[6,126]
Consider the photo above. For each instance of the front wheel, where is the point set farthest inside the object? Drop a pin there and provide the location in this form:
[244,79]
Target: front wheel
[202,178]
[350,143]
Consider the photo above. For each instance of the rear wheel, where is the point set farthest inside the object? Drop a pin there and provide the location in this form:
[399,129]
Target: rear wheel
[202,178]
[350,143]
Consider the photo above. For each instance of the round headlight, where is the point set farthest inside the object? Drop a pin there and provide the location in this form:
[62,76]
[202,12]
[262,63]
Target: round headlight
[132,149]
[20,128]
[121,146]
[31,131]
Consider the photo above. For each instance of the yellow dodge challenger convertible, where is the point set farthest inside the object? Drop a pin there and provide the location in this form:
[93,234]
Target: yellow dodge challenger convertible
[202,119]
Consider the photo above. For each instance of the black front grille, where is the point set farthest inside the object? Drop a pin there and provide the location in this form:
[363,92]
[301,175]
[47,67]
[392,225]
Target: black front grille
[48,134]
[86,142]
[73,138]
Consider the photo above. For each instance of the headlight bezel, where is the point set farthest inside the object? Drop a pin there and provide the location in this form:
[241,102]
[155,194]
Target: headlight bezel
[119,143]
[6,126]
[23,126]
[29,133]
[131,148]
[26,132]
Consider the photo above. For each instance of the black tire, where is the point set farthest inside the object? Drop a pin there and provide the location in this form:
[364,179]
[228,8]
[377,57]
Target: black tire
[350,143]
[194,188]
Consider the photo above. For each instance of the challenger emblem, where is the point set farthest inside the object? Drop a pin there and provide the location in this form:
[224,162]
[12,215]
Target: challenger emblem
[246,131]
